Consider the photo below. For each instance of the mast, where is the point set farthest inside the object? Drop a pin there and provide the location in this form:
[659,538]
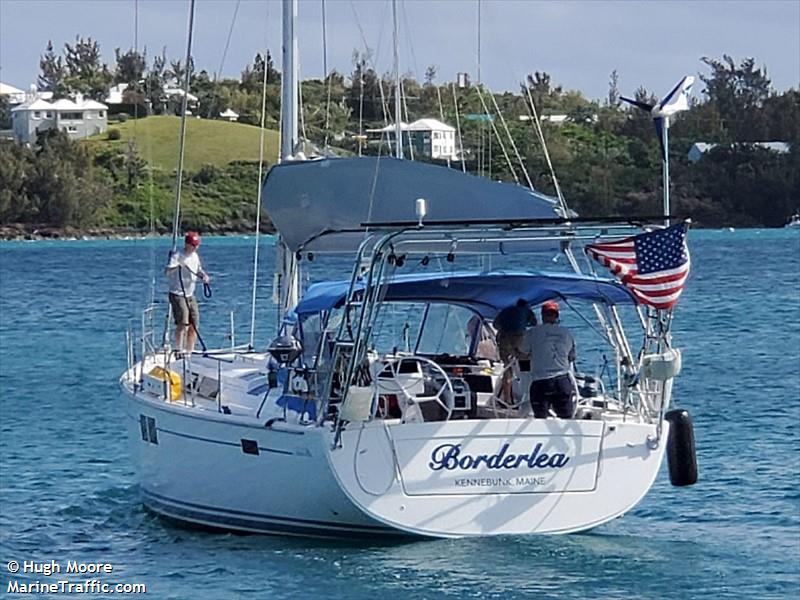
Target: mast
[287,274]
[398,130]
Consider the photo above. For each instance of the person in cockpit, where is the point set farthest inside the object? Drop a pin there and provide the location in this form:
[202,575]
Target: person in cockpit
[552,351]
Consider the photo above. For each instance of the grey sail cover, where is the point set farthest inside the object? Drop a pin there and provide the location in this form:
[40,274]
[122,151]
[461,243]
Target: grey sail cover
[311,203]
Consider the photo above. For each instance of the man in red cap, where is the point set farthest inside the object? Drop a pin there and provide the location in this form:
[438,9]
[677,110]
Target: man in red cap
[183,270]
[552,349]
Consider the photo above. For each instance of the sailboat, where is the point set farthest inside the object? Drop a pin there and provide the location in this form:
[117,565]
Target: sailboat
[344,427]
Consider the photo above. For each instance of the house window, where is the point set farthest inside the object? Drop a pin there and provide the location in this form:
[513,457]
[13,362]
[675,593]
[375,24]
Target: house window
[37,114]
[71,116]
[48,115]
[102,114]
[72,129]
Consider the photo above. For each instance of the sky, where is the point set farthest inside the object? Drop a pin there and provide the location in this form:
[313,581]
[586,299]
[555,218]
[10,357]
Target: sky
[649,43]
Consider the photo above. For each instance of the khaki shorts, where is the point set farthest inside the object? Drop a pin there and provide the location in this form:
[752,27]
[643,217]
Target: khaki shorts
[510,345]
[184,310]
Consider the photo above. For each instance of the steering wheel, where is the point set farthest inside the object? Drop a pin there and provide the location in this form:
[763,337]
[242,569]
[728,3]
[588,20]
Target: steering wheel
[444,400]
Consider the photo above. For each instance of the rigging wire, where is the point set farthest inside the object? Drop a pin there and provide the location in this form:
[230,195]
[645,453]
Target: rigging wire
[301,114]
[538,128]
[497,134]
[258,195]
[479,42]
[511,140]
[228,42]
[408,119]
[151,220]
[327,76]
[410,40]
[187,77]
[372,62]
[441,113]
[458,128]
[361,107]
[397,99]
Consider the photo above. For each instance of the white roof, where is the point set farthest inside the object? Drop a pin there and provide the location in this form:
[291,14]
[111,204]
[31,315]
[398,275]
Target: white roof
[229,113]
[418,125]
[179,92]
[703,146]
[8,90]
[389,127]
[62,104]
[37,104]
[65,104]
[430,125]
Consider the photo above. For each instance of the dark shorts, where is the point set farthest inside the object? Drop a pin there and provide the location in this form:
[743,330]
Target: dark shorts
[184,310]
[555,393]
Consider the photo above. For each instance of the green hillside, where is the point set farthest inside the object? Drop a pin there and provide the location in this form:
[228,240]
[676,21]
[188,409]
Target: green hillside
[207,142]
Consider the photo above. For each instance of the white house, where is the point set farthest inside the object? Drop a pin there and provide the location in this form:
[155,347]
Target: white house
[115,94]
[698,149]
[229,114]
[79,119]
[429,138]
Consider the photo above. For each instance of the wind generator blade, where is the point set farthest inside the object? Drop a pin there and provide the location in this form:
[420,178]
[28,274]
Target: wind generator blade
[677,100]
[636,103]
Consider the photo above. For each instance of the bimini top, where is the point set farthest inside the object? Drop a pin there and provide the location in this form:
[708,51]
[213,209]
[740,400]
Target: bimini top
[312,202]
[486,293]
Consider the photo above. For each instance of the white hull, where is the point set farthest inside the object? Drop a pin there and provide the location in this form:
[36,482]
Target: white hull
[192,466]
[607,469]
[198,472]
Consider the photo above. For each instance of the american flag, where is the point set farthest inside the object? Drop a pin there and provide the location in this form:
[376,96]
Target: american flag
[654,265]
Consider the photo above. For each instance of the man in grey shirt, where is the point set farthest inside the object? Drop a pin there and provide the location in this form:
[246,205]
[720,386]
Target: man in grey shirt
[552,349]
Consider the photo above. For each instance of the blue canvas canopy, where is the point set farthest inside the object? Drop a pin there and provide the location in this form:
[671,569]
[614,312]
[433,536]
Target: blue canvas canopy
[321,205]
[486,293]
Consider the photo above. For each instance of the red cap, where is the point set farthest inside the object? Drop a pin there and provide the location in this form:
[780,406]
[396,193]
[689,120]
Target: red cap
[550,306]
[192,238]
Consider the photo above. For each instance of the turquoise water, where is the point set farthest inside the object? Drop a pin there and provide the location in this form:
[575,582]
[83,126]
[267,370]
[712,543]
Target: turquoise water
[68,490]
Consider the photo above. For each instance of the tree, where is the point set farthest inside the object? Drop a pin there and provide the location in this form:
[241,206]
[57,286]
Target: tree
[155,80]
[544,95]
[613,90]
[5,113]
[86,73]
[430,75]
[364,97]
[177,72]
[15,205]
[738,93]
[130,67]
[253,75]
[53,73]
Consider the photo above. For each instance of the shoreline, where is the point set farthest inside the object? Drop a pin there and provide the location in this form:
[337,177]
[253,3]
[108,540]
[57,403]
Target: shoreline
[18,232]
[24,232]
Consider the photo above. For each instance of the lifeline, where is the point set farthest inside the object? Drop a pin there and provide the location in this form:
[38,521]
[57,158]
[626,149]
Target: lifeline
[449,457]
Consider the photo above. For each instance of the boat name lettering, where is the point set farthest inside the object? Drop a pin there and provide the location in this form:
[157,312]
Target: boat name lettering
[449,457]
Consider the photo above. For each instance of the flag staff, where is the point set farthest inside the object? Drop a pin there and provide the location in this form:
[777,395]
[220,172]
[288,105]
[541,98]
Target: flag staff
[676,101]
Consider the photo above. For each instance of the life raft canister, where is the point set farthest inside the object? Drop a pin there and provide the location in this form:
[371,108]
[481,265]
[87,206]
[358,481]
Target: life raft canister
[681,454]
